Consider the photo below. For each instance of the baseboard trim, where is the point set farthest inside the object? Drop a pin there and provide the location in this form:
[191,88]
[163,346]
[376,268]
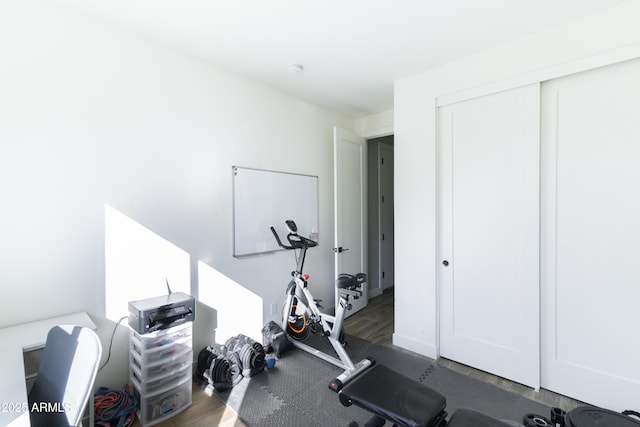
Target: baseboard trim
[416,346]
[375,292]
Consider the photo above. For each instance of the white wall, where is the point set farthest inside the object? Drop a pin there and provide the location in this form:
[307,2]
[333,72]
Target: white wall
[92,116]
[609,36]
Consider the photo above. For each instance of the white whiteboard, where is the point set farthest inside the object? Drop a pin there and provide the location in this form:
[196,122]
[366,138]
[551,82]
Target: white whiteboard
[262,199]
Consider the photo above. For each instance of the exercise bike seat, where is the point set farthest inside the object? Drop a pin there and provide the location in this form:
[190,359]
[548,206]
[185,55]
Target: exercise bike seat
[349,281]
[394,397]
[469,418]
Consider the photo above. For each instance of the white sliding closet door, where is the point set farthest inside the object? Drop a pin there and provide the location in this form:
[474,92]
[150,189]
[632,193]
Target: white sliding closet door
[489,233]
[591,236]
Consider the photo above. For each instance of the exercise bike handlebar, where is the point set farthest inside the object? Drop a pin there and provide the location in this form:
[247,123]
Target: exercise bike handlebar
[295,241]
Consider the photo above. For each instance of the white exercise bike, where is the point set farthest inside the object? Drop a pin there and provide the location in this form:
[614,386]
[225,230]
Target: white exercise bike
[301,315]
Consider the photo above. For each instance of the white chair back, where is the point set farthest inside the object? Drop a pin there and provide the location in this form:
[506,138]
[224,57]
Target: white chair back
[66,376]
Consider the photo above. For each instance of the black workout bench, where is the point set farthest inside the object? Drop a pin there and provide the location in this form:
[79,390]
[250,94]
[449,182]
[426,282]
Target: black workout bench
[391,396]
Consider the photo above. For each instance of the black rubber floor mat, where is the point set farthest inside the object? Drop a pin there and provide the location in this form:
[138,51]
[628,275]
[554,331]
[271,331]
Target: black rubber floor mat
[295,392]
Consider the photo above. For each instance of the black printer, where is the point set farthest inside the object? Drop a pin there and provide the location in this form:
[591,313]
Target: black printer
[162,312]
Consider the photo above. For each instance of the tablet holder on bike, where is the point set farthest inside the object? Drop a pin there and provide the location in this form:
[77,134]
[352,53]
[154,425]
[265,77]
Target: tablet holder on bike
[295,242]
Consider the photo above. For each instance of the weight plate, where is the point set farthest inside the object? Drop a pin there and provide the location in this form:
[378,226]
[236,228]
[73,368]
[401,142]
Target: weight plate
[533,420]
[587,416]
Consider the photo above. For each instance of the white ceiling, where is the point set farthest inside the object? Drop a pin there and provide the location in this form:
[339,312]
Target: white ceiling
[351,50]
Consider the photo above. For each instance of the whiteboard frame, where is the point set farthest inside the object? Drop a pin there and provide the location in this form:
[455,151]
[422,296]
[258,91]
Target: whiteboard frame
[259,220]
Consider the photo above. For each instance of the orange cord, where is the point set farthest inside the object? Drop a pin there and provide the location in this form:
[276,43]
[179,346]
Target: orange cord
[106,401]
[304,323]
[110,400]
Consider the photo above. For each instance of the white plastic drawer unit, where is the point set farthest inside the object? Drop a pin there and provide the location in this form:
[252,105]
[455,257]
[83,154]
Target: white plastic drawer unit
[150,372]
[161,353]
[164,337]
[161,383]
[159,407]
[160,369]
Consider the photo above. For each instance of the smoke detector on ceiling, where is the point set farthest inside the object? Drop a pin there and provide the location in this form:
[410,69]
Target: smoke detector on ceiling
[294,68]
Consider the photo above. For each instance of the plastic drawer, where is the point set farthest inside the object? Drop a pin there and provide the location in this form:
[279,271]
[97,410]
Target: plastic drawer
[160,354]
[149,372]
[161,383]
[162,337]
[157,408]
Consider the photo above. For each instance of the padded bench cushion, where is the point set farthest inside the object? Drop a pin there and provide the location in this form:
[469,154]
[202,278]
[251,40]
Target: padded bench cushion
[394,397]
[469,418]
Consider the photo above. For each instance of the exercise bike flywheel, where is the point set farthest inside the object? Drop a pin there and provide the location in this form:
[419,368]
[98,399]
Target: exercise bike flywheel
[297,326]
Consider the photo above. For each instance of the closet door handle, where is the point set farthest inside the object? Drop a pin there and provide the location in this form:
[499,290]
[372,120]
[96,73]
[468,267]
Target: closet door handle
[445,263]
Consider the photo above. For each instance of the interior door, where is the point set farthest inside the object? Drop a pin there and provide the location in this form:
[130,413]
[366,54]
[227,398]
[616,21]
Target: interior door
[349,203]
[591,231]
[489,233]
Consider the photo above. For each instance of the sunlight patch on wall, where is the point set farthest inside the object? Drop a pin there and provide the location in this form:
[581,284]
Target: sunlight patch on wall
[138,262]
[239,311]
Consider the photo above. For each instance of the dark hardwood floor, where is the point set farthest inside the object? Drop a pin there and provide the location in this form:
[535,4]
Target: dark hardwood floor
[374,323]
